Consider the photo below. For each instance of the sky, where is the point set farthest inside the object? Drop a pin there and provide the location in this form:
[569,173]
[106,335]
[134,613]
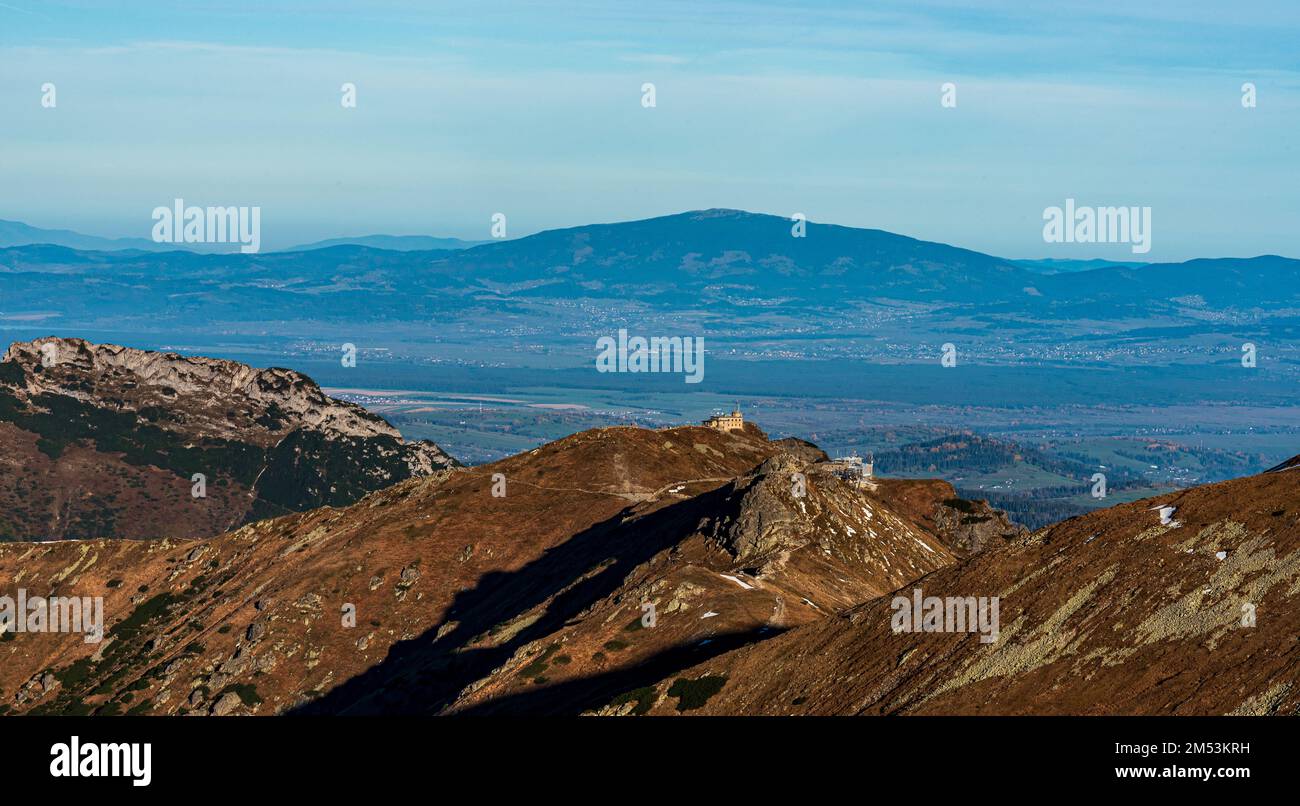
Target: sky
[535,110]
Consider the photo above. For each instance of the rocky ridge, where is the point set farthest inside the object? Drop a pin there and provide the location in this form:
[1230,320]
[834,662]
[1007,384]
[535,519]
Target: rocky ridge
[98,440]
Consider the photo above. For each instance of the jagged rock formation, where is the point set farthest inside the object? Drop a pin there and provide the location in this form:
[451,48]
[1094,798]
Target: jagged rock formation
[103,441]
[972,525]
[966,526]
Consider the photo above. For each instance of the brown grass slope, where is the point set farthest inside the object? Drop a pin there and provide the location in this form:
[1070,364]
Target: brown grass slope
[465,601]
[261,608]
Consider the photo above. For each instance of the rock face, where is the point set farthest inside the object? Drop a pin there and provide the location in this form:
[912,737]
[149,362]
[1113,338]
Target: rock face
[105,441]
[759,514]
[970,526]
[965,526]
[226,704]
[789,503]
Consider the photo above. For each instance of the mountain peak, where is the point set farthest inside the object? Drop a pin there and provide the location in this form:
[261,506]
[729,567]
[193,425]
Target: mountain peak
[725,212]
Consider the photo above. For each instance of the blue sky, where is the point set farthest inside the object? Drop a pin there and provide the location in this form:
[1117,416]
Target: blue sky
[533,109]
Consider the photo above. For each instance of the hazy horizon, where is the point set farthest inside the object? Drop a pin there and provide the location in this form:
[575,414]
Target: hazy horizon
[833,112]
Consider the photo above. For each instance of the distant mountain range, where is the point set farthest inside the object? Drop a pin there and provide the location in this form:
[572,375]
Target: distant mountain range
[1060,266]
[713,259]
[16,233]
[396,243]
[864,304]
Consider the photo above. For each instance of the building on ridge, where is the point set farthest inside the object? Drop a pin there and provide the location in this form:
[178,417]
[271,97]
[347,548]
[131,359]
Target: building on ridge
[735,421]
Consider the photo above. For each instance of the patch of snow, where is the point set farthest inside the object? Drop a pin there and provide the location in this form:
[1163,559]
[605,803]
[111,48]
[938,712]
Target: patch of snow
[1166,513]
[738,581]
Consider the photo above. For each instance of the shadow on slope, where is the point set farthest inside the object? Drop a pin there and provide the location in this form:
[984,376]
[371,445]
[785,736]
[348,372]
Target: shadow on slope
[423,675]
[573,697]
